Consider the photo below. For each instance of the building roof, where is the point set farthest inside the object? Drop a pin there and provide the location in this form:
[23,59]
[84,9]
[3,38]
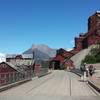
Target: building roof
[23,55]
[22,62]
[58,58]
[11,65]
[21,68]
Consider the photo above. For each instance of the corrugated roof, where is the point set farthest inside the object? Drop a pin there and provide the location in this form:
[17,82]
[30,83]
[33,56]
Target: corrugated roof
[21,68]
[27,55]
[10,56]
[22,62]
[12,66]
[23,55]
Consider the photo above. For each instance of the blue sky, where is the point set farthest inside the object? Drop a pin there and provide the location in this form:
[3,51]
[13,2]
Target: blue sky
[51,22]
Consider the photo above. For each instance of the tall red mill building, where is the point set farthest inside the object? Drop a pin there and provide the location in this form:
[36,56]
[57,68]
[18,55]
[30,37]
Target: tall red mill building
[93,34]
[83,41]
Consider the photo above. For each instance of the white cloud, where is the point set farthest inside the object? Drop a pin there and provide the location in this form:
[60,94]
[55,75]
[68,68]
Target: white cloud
[2,57]
[69,49]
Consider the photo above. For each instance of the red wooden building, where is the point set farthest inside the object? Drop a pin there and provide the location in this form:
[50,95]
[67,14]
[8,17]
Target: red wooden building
[16,68]
[6,67]
[69,64]
[83,41]
[23,61]
[7,70]
[92,36]
[59,61]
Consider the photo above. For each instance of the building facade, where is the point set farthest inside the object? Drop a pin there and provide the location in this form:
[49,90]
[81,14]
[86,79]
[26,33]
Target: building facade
[60,60]
[92,36]
[83,41]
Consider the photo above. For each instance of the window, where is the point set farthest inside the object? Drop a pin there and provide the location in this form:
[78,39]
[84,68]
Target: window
[4,66]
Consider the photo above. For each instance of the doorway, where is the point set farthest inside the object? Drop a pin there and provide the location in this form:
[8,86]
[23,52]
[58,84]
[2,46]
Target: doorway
[56,65]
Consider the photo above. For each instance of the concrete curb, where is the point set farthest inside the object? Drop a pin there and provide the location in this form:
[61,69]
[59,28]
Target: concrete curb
[76,73]
[94,86]
[3,88]
[89,82]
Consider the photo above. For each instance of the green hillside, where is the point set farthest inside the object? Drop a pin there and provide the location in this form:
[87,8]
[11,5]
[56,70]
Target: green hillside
[94,55]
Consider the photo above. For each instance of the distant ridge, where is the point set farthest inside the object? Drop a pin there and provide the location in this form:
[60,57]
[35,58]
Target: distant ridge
[41,51]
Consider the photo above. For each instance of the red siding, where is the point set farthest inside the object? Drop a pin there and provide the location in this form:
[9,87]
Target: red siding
[78,43]
[93,34]
[93,39]
[58,58]
[4,68]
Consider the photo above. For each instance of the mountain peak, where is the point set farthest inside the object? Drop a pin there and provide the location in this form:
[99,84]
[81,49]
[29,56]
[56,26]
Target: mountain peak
[41,50]
[40,46]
